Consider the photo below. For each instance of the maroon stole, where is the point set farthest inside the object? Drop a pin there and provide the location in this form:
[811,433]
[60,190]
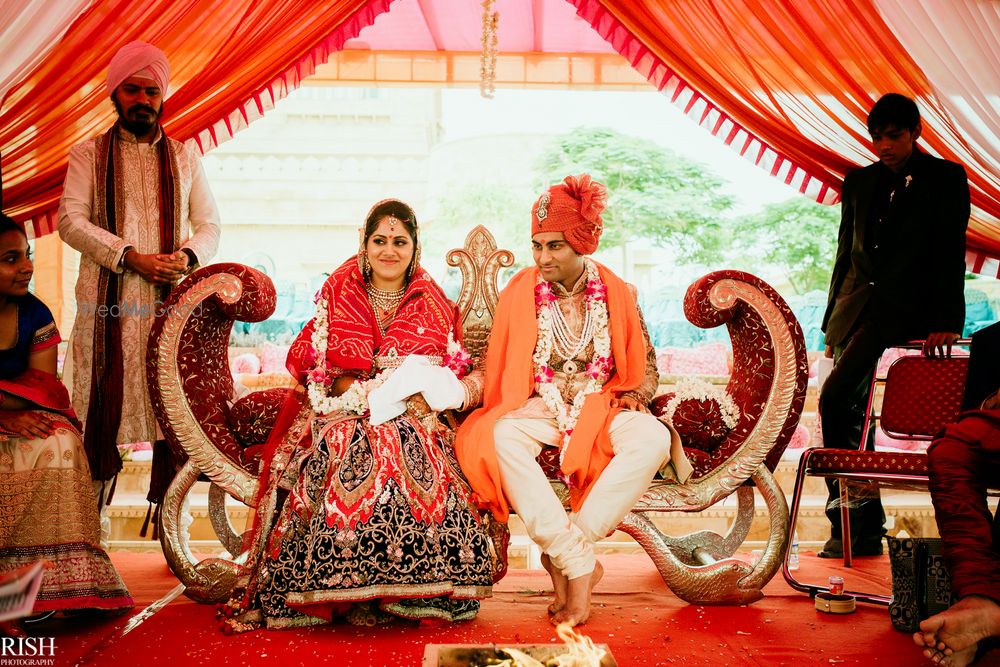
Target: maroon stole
[104,413]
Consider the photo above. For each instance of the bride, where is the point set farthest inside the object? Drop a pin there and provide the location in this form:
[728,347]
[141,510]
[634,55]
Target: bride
[363,512]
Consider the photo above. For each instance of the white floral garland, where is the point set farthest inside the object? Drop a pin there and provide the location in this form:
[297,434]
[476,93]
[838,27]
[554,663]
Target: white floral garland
[355,399]
[599,368]
[318,381]
[700,390]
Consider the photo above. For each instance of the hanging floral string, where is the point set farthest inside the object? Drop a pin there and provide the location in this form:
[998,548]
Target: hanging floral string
[319,382]
[488,62]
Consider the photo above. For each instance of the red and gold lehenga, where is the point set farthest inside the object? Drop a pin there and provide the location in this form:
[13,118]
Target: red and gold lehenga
[361,521]
[48,505]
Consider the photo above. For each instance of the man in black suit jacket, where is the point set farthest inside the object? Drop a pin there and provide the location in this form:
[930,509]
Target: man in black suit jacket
[898,276]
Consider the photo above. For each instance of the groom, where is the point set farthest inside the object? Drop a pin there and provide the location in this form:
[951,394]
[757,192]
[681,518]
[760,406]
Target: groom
[570,366]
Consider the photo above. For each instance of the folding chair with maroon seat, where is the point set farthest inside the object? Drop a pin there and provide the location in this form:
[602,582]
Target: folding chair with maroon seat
[921,394]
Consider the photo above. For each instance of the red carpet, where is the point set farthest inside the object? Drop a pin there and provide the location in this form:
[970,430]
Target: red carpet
[635,614]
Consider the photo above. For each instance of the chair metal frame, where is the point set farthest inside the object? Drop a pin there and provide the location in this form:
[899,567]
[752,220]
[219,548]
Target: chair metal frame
[908,481]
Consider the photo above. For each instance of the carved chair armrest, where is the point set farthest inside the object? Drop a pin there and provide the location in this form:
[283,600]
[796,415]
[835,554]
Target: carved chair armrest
[770,369]
[187,367]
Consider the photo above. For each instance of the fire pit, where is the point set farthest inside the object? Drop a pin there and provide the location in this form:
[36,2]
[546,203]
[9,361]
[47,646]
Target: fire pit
[481,655]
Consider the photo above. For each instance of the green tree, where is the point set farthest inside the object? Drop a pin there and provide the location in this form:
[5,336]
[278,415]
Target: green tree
[653,193]
[501,209]
[797,235]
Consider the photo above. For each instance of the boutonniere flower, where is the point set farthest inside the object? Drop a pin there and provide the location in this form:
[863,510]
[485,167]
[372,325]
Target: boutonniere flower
[596,291]
[544,375]
[908,180]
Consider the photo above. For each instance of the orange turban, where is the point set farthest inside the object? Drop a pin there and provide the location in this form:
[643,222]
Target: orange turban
[574,208]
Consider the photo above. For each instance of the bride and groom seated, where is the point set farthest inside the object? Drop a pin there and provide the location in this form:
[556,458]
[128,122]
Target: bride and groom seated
[371,508]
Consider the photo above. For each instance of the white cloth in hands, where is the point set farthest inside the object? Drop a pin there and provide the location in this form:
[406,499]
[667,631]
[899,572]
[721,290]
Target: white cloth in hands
[416,375]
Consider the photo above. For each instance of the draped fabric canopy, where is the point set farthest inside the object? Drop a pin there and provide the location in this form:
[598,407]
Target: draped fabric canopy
[790,84]
[787,85]
[230,61]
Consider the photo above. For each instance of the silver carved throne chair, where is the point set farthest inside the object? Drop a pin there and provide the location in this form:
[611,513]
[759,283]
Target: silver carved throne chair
[192,391]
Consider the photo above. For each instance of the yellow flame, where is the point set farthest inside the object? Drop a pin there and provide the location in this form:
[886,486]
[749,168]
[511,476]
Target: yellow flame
[582,652]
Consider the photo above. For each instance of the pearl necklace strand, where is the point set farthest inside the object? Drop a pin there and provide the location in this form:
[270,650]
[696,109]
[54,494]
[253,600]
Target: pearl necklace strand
[567,345]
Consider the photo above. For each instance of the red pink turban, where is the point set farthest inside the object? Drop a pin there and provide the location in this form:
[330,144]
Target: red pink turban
[574,208]
[138,58]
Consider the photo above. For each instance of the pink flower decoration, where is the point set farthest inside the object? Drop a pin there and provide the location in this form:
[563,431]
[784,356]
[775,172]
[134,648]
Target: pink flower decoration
[545,375]
[319,376]
[599,368]
[544,295]
[460,362]
[309,356]
[596,291]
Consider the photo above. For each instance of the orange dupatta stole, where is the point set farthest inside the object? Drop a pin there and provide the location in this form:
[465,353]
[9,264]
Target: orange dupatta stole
[510,382]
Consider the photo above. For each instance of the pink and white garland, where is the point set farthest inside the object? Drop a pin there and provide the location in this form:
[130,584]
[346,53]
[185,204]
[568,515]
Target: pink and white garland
[355,399]
[598,370]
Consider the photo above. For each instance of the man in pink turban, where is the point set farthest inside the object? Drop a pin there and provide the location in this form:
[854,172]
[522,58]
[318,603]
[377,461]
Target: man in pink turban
[137,83]
[569,369]
[137,206]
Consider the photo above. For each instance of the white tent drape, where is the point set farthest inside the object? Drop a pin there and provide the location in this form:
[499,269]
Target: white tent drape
[957,45]
[28,30]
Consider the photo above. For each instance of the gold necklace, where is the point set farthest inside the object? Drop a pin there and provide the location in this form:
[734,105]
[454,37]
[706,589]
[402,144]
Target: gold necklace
[384,302]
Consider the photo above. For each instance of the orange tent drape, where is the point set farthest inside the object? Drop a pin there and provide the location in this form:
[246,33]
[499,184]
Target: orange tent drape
[789,84]
[230,61]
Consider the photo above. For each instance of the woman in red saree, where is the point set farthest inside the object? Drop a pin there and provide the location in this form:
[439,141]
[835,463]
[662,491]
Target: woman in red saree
[369,517]
[48,507]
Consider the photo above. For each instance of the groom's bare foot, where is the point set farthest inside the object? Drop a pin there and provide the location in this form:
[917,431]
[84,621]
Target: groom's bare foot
[559,583]
[951,637]
[577,608]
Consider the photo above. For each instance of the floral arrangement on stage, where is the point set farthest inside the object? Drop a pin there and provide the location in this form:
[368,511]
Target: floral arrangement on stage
[699,390]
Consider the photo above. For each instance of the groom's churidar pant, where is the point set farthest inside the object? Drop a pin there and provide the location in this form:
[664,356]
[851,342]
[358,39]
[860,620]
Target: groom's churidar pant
[641,445]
